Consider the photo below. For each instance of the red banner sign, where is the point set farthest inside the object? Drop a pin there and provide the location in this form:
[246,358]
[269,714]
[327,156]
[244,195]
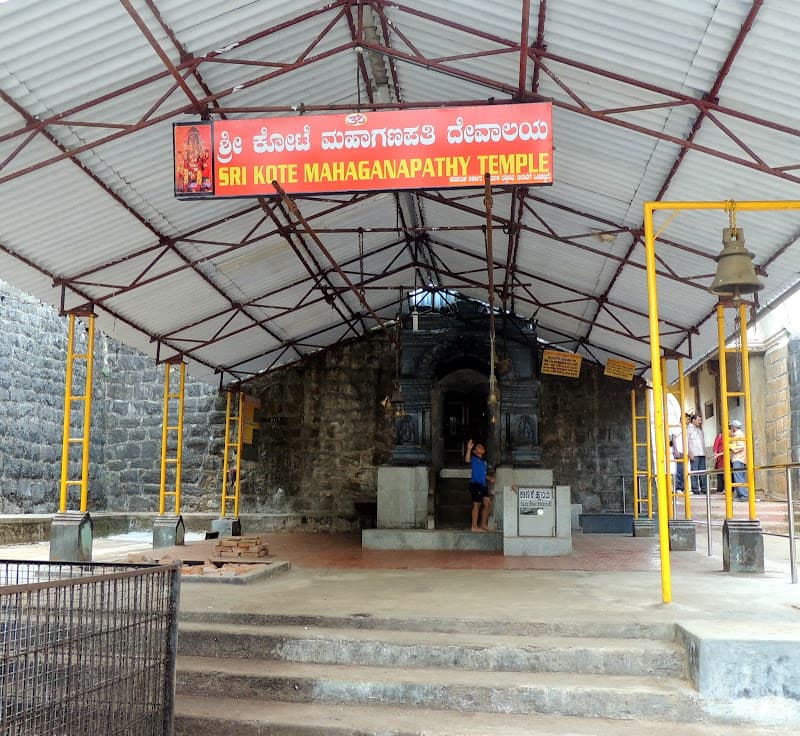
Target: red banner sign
[402,149]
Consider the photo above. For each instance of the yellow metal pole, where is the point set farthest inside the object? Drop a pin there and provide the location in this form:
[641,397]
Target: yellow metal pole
[748,414]
[239,441]
[687,486]
[179,453]
[224,505]
[87,415]
[162,496]
[62,503]
[723,391]
[670,479]
[647,399]
[658,404]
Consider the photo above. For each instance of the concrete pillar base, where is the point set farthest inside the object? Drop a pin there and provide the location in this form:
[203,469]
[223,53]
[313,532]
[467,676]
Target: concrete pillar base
[227,527]
[682,535]
[168,531]
[71,537]
[742,546]
[644,528]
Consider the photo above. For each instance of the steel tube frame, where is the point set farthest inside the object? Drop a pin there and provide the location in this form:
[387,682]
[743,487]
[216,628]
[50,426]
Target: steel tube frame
[655,353]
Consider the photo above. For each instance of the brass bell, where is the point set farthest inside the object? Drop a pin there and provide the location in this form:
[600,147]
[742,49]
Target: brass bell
[736,274]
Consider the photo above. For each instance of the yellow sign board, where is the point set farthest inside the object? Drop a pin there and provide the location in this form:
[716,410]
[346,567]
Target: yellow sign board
[617,368]
[249,423]
[556,363]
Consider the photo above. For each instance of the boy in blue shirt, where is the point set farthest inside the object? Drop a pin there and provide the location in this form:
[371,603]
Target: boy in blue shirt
[479,486]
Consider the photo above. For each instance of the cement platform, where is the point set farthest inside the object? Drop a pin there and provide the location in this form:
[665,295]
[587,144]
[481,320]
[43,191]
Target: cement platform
[747,620]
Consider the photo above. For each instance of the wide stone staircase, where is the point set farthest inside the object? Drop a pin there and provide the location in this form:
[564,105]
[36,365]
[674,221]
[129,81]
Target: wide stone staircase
[254,675]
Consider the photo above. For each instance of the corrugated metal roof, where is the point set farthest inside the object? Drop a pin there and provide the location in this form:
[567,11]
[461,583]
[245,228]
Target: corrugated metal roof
[672,100]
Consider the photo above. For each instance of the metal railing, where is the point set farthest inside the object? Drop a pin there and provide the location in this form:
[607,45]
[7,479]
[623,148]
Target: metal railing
[87,648]
[791,534]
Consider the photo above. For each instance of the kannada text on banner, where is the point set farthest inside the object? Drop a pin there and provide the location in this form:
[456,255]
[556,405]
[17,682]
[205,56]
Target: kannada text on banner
[402,149]
[556,363]
[617,368]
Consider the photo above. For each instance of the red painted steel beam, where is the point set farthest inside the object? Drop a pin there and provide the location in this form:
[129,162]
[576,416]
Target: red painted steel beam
[712,94]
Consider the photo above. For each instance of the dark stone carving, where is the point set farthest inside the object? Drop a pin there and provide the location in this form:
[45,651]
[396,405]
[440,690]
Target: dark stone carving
[449,342]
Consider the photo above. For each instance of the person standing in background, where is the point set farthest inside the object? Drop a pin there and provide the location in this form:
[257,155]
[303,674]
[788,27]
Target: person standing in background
[676,444]
[718,462]
[738,460]
[696,446]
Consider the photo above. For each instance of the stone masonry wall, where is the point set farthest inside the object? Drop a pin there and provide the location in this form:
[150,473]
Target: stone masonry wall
[793,361]
[323,430]
[585,428]
[777,418]
[125,446]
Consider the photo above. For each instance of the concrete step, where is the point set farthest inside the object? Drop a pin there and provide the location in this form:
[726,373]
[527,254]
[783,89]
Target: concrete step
[418,649]
[559,693]
[589,628]
[256,717]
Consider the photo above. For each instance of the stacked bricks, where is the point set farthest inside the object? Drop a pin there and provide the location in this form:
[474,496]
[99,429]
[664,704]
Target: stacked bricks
[232,548]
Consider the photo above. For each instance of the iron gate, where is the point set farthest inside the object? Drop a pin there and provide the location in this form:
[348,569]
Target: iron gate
[87,648]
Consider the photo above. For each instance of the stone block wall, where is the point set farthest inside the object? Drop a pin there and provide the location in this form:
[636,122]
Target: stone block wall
[793,362]
[125,444]
[585,430]
[777,420]
[323,433]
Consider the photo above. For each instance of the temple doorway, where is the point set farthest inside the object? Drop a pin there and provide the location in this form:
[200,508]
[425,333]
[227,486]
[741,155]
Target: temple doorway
[460,397]
[464,417]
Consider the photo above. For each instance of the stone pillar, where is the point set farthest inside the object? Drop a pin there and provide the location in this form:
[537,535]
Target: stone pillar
[682,535]
[227,527]
[645,528]
[71,537]
[742,546]
[168,531]
[402,497]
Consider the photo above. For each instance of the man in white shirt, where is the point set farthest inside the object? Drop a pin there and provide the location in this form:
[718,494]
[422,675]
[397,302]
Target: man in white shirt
[696,446]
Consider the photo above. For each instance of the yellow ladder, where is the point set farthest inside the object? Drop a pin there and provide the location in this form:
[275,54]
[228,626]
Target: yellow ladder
[172,436]
[232,454]
[82,439]
[680,394]
[638,499]
[744,395]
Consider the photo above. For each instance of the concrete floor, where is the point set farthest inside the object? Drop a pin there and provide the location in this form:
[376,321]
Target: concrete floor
[607,575]
[608,578]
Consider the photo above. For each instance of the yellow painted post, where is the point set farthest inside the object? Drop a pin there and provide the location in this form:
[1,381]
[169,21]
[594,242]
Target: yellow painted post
[657,373]
[658,403]
[225,445]
[667,451]
[87,414]
[236,447]
[638,499]
[723,392]
[162,496]
[63,499]
[748,414]
[239,440]
[687,486]
[69,398]
[177,428]
[179,453]
[647,399]
[635,442]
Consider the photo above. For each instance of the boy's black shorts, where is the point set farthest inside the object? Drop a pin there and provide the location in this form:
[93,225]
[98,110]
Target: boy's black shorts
[478,492]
